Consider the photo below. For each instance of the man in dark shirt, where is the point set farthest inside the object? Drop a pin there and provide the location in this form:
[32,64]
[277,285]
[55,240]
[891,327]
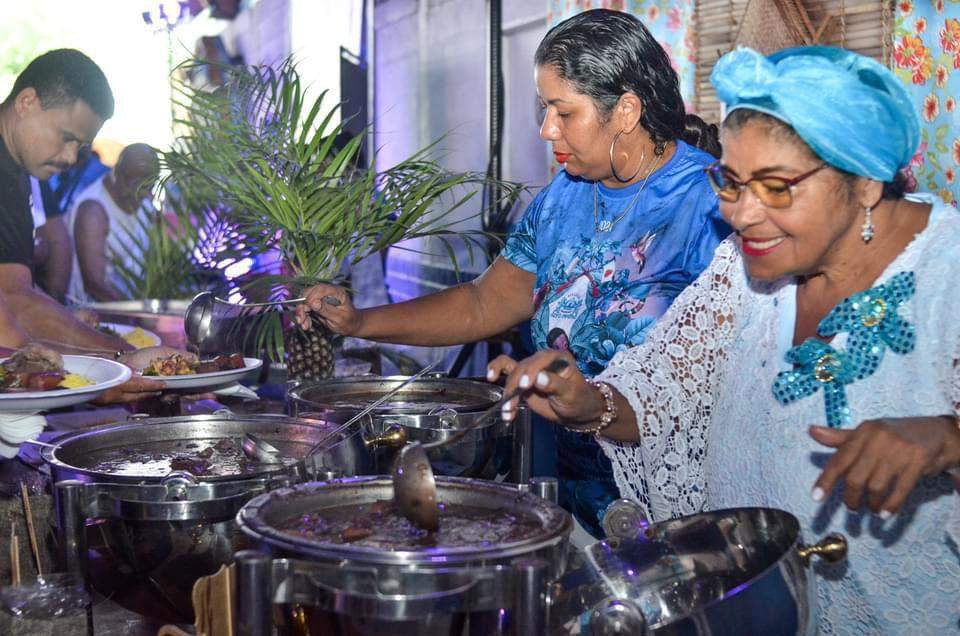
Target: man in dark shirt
[57,106]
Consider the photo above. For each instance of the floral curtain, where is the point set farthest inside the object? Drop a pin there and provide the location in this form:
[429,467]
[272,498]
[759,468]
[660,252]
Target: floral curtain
[672,23]
[926,56]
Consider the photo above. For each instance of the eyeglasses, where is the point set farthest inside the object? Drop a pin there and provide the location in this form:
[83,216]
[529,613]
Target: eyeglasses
[774,192]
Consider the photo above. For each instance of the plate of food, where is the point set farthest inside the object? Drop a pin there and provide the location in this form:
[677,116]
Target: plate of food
[179,371]
[137,336]
[36,378]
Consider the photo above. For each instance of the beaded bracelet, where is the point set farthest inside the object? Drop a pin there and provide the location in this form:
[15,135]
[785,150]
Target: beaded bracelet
[609,415]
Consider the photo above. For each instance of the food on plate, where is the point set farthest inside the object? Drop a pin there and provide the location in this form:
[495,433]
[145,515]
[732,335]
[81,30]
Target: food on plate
[179,364]
[75,381]
[176,364]
[139,338]
[37,368]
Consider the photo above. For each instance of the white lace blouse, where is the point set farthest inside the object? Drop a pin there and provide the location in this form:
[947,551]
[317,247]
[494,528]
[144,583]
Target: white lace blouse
[713,436]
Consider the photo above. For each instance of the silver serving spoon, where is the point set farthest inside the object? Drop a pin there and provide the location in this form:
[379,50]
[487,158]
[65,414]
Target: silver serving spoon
[206,314]
[414,487]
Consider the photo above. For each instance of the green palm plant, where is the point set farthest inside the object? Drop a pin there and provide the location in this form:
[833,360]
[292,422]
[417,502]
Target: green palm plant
[277,165]
[157,257]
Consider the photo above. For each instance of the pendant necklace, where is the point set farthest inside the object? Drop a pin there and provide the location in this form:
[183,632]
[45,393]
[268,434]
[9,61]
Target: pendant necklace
[600,208]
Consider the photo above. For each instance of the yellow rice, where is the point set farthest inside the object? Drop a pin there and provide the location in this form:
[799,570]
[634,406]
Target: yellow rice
[139,338]
[74,381]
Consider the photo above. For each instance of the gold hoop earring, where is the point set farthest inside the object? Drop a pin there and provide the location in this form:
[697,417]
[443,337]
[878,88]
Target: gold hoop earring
[613,168]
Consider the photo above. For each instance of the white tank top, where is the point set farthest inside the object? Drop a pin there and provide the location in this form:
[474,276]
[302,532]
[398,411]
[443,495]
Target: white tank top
[123,235]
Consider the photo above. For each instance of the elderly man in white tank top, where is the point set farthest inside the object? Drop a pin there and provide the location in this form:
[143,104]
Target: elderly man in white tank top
[105,219]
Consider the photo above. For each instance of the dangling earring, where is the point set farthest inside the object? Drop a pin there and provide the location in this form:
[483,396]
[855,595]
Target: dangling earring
[613,168]
[866,230]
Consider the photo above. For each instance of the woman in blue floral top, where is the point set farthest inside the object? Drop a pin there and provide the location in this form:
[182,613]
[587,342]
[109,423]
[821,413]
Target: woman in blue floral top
[605,248]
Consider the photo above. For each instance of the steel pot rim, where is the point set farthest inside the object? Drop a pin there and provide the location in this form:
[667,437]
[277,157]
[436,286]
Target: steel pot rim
[49,454]
[250,520]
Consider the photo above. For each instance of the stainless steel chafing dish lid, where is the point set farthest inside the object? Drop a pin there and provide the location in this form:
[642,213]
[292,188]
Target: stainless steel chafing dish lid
[740,570]
[77,454]
[261,516]
[424,396]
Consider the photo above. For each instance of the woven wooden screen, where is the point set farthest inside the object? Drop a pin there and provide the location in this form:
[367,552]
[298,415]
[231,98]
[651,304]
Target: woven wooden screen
[861,26]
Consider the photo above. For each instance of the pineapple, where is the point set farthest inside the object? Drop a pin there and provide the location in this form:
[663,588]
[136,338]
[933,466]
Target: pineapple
[309,354]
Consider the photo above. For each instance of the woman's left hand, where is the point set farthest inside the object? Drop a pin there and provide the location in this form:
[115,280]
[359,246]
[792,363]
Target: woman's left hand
[884,459]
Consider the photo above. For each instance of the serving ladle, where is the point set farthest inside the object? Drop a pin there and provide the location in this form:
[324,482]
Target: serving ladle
[206,314]
[414,487]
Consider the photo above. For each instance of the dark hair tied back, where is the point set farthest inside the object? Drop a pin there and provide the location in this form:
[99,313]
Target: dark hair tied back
[605,54]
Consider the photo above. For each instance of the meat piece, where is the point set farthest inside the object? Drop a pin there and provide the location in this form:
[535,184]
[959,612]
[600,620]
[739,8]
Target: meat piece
[34,358]
[193,465]
[224,446]
[207,367]
[355,533]
[206,453]
[44,381]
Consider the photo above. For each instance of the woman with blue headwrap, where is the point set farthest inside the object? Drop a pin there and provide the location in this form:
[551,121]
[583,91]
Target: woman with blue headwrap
[814,365]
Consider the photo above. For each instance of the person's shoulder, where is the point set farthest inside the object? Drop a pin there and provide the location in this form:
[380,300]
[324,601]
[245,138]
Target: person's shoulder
[938,244]
[692,158]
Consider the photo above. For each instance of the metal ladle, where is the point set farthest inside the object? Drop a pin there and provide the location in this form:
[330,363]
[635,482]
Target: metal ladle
[414,488]
[206,314]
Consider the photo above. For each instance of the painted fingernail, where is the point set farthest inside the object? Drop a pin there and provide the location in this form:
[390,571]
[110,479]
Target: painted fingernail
[543,379]
[507,407]
[885,514]
[491,375]
[817,494]
[524,381]
[506,414]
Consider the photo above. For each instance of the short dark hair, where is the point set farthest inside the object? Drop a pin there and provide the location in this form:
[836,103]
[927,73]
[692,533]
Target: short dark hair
[63,76]
[740,117]
[606,53]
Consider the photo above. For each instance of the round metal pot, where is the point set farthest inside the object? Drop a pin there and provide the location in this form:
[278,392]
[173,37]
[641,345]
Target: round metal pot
[357,589]
[736,571]
[168,530]
[426,410]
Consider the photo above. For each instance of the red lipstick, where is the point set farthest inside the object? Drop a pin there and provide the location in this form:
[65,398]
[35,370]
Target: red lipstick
[561,157]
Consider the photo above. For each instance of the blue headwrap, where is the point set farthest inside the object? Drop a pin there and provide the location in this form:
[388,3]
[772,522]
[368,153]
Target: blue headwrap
[852,111]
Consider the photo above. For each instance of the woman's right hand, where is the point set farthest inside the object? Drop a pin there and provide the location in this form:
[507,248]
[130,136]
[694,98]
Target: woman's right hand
[340,318]
[564,396]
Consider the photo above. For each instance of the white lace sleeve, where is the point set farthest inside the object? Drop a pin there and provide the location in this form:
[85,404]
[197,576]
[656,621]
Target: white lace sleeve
[670,382]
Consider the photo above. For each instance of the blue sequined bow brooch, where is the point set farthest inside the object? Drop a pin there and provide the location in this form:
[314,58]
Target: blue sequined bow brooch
[871,319]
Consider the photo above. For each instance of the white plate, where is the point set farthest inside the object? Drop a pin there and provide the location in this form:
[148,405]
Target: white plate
[122,330]
[208,380]
[103,373]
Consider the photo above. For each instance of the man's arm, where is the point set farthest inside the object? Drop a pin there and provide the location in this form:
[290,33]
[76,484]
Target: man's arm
[90,236]
[47,320]
[56,274]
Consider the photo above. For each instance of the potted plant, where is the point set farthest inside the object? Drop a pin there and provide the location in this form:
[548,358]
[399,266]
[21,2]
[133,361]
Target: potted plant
[271,160]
